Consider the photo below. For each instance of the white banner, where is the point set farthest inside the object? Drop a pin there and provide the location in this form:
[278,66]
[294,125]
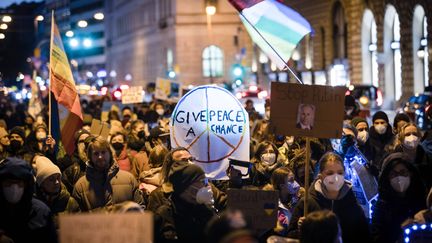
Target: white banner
[133,95]
[214,126]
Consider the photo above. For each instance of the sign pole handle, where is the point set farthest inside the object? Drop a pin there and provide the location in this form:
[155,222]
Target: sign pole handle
[306,183]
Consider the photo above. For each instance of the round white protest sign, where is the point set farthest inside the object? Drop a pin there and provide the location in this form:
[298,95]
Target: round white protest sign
[213,125]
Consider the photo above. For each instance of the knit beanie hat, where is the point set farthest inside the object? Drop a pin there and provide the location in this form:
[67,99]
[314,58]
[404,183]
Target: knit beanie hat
[356,120]
[45,168]
[3,132]
[19,131]
[182,175]
[400,117]
[380,115]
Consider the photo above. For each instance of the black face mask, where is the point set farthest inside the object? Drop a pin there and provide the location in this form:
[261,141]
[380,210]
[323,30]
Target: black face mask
[117,146]
[141,134]
[15,145]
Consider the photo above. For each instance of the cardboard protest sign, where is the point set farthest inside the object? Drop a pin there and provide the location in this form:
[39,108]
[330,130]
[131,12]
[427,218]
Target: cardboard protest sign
[99,128]
[133,95]
[259,207]
[167,89]
[213,125]
[307,110]
[106,228]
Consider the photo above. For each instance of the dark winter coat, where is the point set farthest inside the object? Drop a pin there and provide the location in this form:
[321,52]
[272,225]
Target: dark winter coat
[179,221]
[97,190]
[30,219]
[423,161]
[71,174]
[391,209]
[352,220]
[63,202]
[378,143]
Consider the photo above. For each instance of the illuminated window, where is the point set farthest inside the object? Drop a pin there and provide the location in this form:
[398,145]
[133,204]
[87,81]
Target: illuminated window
[212,62]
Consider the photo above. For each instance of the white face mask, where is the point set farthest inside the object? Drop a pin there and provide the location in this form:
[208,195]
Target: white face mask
[362,137]
[268,158]
[40,135]
[267,115]
[160,111]
[411,141]
[400,183]
[334,182]
[205,196]
[380,128]
[13,193]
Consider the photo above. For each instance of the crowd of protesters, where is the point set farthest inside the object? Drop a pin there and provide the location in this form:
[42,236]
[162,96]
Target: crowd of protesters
[135,169]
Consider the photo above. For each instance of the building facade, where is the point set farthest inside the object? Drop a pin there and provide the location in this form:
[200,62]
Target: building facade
[378,42]
[148,39]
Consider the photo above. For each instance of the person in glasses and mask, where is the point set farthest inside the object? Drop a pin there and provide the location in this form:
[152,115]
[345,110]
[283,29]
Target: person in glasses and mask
[124,159]
[23,218]
[401,195]
[330,191]
[265,161]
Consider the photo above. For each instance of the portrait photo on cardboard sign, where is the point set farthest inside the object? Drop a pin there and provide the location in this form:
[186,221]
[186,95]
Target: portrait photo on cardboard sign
[305,116]
[307,110]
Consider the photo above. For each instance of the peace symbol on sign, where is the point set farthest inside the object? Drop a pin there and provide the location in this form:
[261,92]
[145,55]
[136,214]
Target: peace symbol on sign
[212,141]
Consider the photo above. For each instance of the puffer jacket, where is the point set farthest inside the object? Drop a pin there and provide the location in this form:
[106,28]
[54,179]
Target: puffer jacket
[352,220]
[98,190]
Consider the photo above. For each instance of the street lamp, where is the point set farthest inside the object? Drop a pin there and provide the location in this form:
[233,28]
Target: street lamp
[2,36]
[69,33]
[3,26]
[6,18]
[210,11]
[39,18]
[99,16]
[82,24]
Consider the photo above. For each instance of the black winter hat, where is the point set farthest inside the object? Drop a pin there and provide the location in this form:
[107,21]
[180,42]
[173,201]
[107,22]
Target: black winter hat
[182,175]
[400,117]
[19,131]
[356,120]
[380,115]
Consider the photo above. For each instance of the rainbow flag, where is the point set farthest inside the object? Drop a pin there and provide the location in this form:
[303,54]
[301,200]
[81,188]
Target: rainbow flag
[274,27]
[67,119]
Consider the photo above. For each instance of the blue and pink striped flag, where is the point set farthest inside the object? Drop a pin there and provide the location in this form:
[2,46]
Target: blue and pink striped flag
[274,27]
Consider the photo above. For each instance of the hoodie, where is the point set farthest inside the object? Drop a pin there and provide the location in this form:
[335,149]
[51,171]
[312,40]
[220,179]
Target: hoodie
[378,143]
[391,208]
[352,220]
[29,220]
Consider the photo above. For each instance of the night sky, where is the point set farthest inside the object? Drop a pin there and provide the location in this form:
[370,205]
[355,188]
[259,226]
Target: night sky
[5,3]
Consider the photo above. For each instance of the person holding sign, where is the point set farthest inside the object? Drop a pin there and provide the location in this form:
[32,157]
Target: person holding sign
[330,191]
[104,184]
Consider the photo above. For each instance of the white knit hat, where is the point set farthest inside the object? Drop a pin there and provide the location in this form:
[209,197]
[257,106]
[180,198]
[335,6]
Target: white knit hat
[45,168]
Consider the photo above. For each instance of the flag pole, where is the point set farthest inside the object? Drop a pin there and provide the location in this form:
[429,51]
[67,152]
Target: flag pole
[50,73]
[286,65]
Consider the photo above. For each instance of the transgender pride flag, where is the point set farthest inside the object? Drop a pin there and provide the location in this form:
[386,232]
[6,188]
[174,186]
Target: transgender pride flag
[274,27]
